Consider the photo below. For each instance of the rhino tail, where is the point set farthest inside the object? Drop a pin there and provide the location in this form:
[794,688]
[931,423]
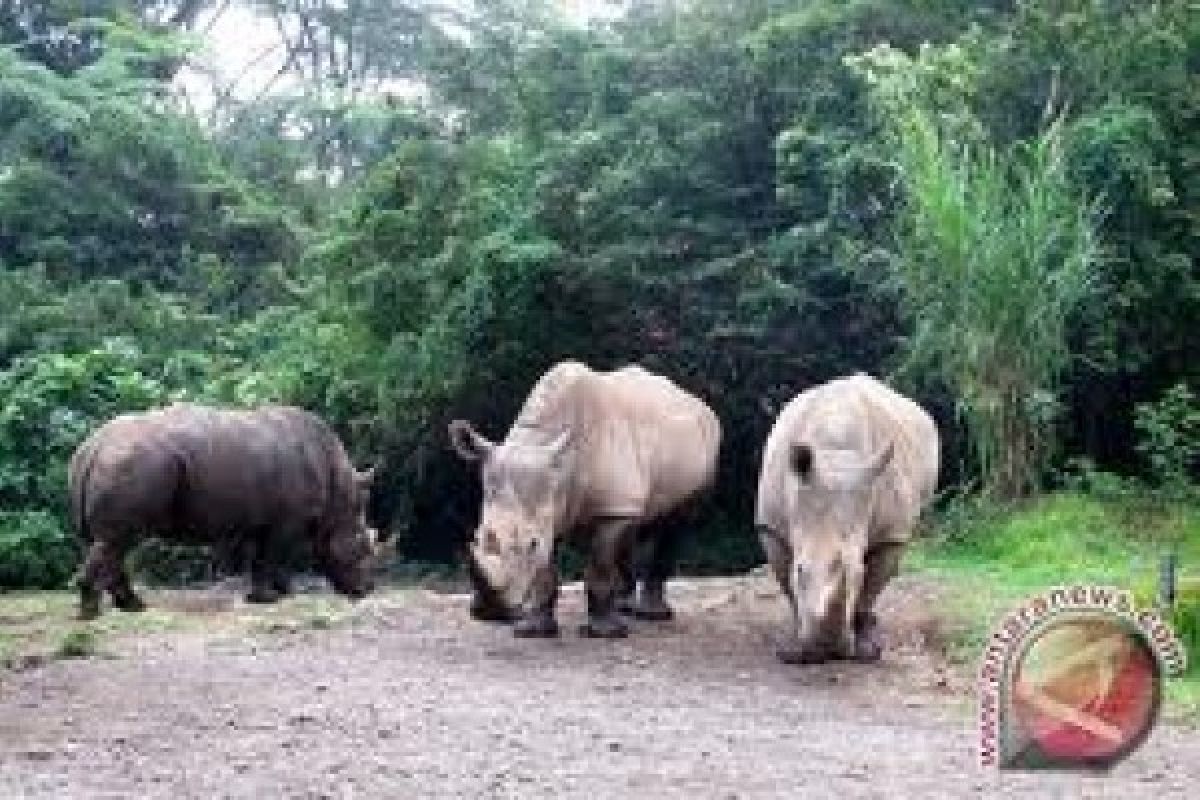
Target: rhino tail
[79,477]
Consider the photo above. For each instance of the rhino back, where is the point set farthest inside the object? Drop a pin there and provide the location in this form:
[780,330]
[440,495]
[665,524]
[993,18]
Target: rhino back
[648,445]
[194,473]
[855,413]
[247,469]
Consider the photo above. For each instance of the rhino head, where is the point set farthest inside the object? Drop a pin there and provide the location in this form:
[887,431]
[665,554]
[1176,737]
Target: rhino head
[351,549]
[830,508]
[525,489]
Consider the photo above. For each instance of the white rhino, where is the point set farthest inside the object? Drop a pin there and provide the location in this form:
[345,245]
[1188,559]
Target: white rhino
[594,456]
[847,468]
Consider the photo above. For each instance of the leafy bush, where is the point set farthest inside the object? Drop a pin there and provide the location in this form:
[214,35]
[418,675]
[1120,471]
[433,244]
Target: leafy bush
[35,550]
[1169,437]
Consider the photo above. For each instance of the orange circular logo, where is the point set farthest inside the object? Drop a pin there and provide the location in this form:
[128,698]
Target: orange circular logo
[1085,690]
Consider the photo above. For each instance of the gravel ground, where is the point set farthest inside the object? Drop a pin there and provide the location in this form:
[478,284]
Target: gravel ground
[409,698]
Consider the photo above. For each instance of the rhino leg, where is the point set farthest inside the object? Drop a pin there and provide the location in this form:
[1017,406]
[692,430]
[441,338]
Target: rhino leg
[536,621]
[95,576]
[652,604]
[779,555]
[882,564]
[611,543]
[262,570]
[281,580]
[123,595]
[627,582]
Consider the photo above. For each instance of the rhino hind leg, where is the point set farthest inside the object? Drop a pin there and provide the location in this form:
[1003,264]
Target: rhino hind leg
[262,570]
[657,569]
[123,595]
[626,600]
[611,545]
[882,564]
[97,574]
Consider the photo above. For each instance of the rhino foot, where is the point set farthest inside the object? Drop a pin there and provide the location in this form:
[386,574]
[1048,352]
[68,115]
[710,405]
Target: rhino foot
[610,627]
[484,611]
[132,604]
[626,604]
[868,647]
[795,654]
[654,613]
[262,594]
[89,604]
[536,626]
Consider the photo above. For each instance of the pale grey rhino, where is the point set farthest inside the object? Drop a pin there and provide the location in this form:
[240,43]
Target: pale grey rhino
[596,457]
[847,469]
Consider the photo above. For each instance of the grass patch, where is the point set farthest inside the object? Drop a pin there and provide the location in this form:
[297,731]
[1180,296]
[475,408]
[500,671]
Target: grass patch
[988,559]
[77,643]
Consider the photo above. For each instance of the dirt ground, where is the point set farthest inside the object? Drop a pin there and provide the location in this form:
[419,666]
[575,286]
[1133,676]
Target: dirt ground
[403,696]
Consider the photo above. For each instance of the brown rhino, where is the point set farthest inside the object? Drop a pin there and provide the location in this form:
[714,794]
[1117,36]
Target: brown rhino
[595,456]
[847,468]
[269,478]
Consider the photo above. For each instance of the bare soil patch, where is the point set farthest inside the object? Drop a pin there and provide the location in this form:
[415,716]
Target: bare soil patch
[402,695]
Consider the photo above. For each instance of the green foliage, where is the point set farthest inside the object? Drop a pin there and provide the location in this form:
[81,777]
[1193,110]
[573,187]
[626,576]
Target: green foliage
[99,177]
[35,550]
[1169,432]
[997,252]
[50,402]
[706,188]
[78,643]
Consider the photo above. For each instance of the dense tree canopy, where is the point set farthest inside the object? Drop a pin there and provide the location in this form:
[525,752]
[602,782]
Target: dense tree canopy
[442,199]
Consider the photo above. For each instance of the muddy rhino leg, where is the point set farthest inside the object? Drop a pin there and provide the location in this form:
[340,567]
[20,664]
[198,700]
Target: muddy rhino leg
[627,572]
[262,569]
[121,589]
[97,574]
[882,564]
[652,602]
[536,620]
[610,543]
[779,556]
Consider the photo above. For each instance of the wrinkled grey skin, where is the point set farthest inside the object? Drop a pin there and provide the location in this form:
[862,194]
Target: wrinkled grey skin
[846,471]
[267,478]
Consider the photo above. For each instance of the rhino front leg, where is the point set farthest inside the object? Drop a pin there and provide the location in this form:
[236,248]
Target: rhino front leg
[779,556]
[536,619]
[883,562]
[611,542]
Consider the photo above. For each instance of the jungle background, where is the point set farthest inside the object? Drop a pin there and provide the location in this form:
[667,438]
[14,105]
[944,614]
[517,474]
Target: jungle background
[994,205]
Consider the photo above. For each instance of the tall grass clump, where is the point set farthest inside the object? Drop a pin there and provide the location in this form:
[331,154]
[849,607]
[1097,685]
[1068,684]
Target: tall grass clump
[996,251]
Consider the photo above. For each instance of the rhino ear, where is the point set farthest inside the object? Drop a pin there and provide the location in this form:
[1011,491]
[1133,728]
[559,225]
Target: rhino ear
[469,445]
[559,446]
[801,460]
[879,462]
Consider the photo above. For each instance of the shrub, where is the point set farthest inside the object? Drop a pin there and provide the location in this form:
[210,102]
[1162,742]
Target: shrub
[35,551]
[1169,437]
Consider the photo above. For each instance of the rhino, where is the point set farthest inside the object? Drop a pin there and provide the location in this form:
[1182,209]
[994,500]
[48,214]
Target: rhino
[847,468]
[602,459]
[266,479]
